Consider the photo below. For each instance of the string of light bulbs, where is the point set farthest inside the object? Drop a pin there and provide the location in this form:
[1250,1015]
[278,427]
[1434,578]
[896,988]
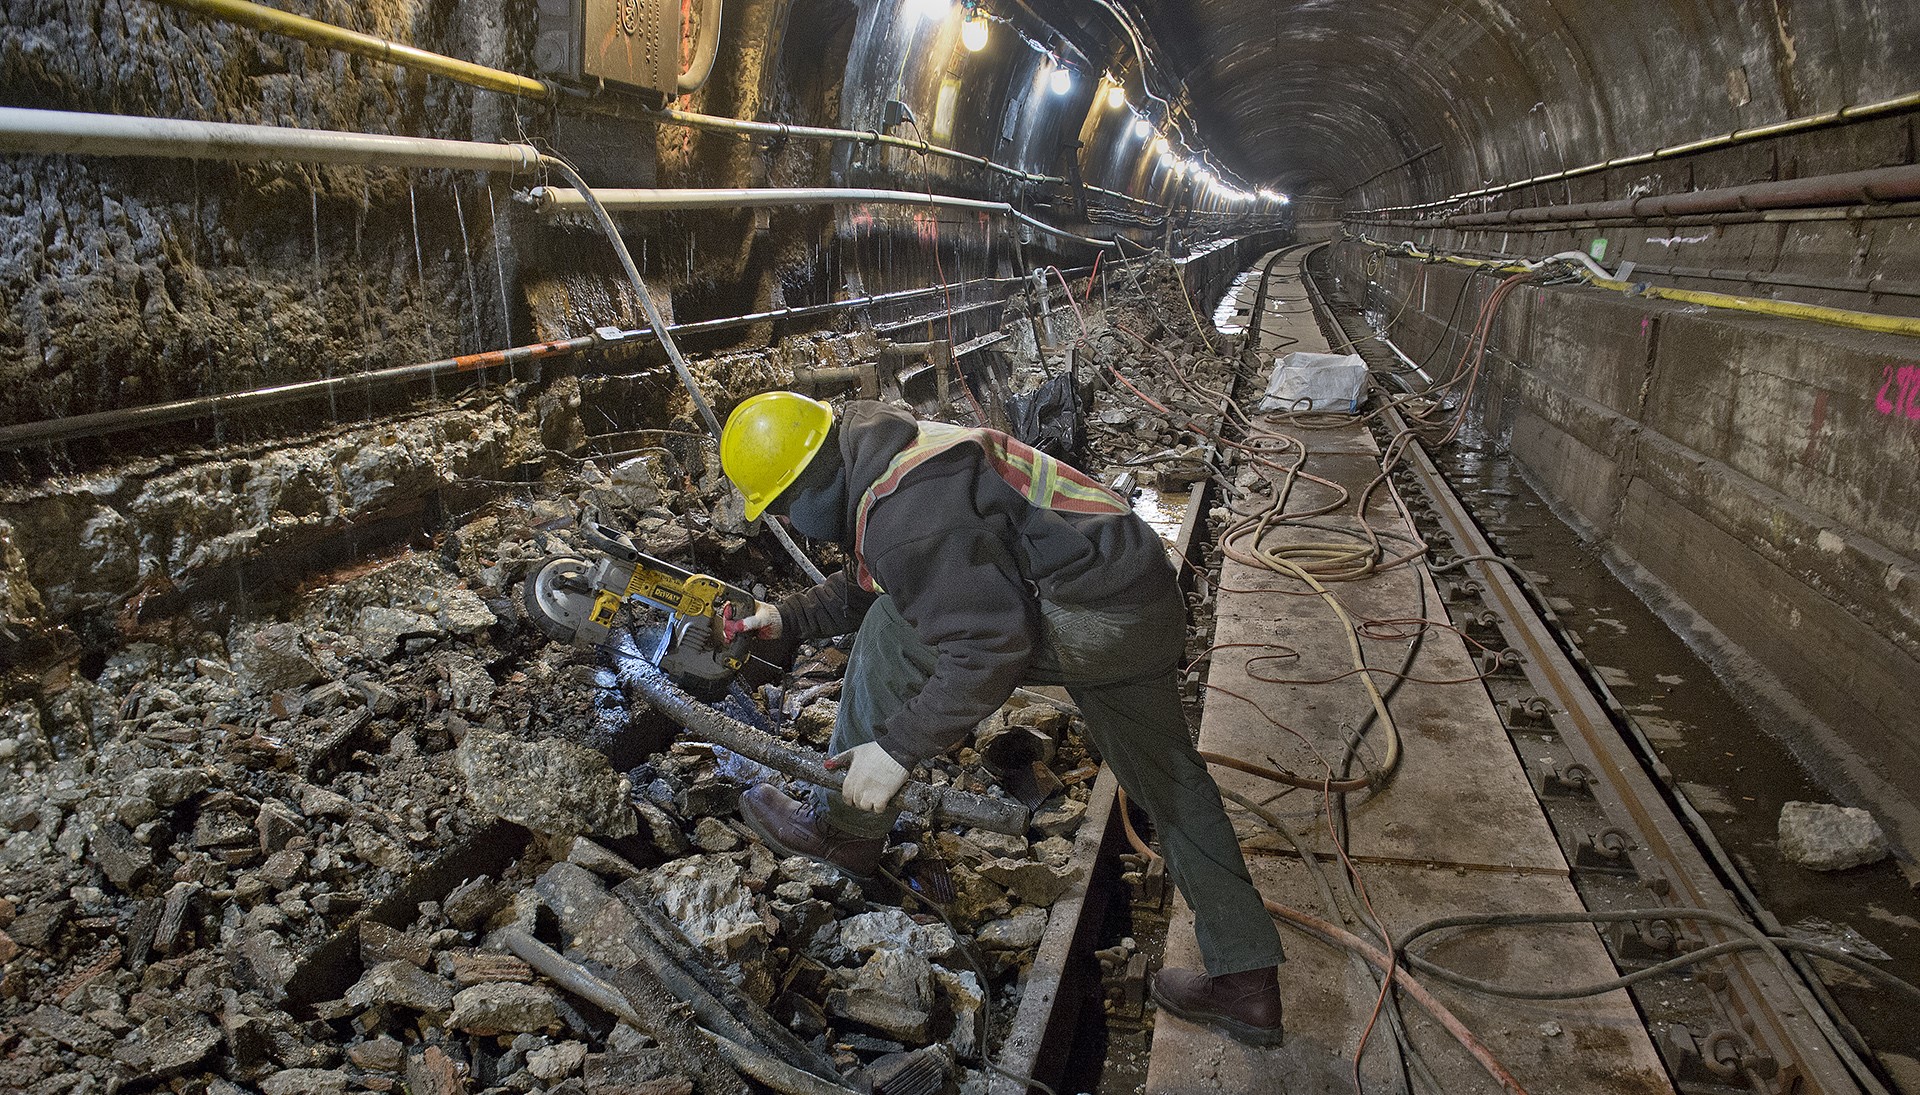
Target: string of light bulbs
[976,31]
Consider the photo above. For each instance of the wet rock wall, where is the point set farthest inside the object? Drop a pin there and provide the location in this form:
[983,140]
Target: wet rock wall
[129,281]
[1753,478]
[90,550]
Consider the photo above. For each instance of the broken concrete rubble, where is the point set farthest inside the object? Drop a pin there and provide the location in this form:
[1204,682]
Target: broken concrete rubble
[554,787]
[504,1008]
[399,983]
[1824,837]
[890,994]
[277,793]
[707,897]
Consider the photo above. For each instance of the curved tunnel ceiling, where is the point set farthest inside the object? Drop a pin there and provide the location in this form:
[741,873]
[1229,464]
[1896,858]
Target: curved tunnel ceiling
[1321,96]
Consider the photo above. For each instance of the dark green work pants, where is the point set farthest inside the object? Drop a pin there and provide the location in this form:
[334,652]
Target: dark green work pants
[1121,668]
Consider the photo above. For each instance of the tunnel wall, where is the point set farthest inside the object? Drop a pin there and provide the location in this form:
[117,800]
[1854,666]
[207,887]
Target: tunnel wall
[1753,477]
[126,282]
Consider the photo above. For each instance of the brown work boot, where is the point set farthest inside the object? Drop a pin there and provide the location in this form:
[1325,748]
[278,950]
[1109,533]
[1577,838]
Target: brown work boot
[792,827]
[1245,1006]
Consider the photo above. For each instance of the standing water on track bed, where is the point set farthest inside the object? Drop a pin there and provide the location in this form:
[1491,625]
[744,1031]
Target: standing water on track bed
[1164,512]
[1733,769]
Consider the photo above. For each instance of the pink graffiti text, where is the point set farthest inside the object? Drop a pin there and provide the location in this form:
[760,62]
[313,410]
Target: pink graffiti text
[1899,392]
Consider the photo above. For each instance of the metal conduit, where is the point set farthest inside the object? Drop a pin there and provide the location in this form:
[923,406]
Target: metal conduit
[48,431]
[333,36]
[782,131]
[554,200]
[1843,116]
[64,132]
[1883,184]
[99,423]
[330,35]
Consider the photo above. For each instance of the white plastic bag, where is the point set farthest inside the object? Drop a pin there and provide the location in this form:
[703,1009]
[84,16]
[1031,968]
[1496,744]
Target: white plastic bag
[1316,382]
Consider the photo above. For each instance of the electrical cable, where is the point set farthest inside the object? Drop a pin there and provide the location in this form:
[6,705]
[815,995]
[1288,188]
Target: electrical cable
[1808,989]
[1338,936]
[1406,1056]
[1756,940]
[665,335]
[1785,309]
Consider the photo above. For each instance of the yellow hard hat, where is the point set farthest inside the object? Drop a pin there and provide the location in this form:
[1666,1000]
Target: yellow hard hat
[768,441]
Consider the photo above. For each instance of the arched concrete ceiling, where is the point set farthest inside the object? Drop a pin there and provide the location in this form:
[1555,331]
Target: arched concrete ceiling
[1316,96]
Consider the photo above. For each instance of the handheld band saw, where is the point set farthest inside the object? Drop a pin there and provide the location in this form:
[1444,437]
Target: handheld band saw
[574,600]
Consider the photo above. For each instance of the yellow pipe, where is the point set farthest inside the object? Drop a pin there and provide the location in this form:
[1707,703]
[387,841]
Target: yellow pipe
[1782,309]
[333,36]
[261,17]
[1785,309]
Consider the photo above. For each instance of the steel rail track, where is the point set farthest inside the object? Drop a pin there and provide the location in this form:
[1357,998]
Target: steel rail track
[1787,1050]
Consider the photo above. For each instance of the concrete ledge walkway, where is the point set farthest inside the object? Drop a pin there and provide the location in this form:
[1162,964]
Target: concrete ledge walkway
[1457,831]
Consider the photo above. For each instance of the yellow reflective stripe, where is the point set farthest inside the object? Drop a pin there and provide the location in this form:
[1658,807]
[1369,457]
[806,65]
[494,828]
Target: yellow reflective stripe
[1047,481]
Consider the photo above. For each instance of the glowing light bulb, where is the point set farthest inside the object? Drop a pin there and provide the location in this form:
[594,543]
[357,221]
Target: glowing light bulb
[1284,199]
[973,32]
[1160,144]
[1116,97]
[1141,128]
[1062,80]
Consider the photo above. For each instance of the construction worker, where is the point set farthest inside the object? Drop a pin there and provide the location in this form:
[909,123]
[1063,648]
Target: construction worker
[976,563]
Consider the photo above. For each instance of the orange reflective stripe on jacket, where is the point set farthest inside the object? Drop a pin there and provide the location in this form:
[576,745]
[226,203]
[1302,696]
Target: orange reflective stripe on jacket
[1040,479]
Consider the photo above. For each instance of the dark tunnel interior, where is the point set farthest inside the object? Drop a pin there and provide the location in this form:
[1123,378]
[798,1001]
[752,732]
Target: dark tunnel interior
[1521,399]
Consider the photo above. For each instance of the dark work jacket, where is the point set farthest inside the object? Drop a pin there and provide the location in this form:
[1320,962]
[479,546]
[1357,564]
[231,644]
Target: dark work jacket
[967,560]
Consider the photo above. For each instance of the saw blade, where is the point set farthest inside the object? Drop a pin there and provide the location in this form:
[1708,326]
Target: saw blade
[558,597]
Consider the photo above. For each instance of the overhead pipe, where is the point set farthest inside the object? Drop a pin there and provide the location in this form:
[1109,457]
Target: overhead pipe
[65,132]
[1881,184]
[1843,116]
[706,45]
[628,200]
[781,131]
[333,36]
[1782,309]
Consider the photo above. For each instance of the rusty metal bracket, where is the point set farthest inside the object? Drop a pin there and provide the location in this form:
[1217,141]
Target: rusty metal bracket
[1573,781]
[1606,852]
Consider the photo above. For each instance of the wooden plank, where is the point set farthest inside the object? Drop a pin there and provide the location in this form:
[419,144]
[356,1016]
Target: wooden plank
[1589,1045]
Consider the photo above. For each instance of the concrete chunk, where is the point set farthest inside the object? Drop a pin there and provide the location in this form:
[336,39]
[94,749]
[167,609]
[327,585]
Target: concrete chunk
[305,1081]
[70,1030]
[554,787]
[400,983]
[891,994]
[1018,932]
[504,1008]
[1824,837]
[893,928]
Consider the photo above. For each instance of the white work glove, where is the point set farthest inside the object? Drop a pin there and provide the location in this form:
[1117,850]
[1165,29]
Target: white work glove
[873,777]
[765,622]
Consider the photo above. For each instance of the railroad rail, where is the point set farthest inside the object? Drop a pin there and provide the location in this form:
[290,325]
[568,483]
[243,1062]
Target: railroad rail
[1777,1037]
